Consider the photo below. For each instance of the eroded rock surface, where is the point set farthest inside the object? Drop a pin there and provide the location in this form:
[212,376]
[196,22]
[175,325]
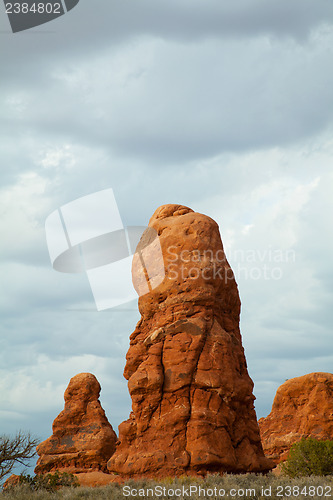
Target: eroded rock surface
[82,439]
[192,398]
[302,407]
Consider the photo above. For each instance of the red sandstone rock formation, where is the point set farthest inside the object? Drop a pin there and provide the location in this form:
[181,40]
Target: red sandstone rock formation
[302,407]
[192,398]
[11,482]
[96,478]
[82,439]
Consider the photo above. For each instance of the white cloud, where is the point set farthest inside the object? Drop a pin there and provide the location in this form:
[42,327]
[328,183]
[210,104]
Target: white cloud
[41,386]
[53,157]
[23,205]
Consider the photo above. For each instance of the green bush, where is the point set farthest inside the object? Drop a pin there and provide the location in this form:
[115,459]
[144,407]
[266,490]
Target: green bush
[309,457]
[49,482]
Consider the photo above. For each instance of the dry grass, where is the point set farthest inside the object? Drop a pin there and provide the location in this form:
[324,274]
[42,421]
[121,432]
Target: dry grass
[247,486]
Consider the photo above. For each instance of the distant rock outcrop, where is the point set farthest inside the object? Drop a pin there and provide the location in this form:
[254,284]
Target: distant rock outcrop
[192,398]
[302,407]
[11,482]
[82,439]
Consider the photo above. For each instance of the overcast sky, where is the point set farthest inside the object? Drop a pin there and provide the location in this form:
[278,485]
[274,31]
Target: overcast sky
[225,107]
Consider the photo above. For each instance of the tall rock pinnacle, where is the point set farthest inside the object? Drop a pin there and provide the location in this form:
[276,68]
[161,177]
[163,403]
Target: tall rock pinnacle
[192,401]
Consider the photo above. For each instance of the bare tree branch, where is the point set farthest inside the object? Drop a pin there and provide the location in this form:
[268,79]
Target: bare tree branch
[19,449]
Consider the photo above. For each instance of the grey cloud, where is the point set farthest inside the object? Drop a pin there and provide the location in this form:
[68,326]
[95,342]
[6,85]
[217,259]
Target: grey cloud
[189,102]
[92,25]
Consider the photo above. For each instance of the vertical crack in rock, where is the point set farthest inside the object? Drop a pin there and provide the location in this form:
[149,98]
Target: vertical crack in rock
[192,387]
[192,401]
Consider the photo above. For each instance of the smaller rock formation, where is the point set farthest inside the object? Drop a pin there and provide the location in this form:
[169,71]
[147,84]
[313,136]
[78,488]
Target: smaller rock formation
[11,482]
[302,407]
[82,439]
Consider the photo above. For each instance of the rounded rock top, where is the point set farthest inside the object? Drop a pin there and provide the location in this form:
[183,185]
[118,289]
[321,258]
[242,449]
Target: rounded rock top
[169,210]
[83,385]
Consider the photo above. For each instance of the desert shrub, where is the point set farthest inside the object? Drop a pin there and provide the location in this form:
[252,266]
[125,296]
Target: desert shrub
[309,457]
[49,482]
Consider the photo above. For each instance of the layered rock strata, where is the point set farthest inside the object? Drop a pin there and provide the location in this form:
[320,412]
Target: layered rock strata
[192,400]
[302,407]
[82,439]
